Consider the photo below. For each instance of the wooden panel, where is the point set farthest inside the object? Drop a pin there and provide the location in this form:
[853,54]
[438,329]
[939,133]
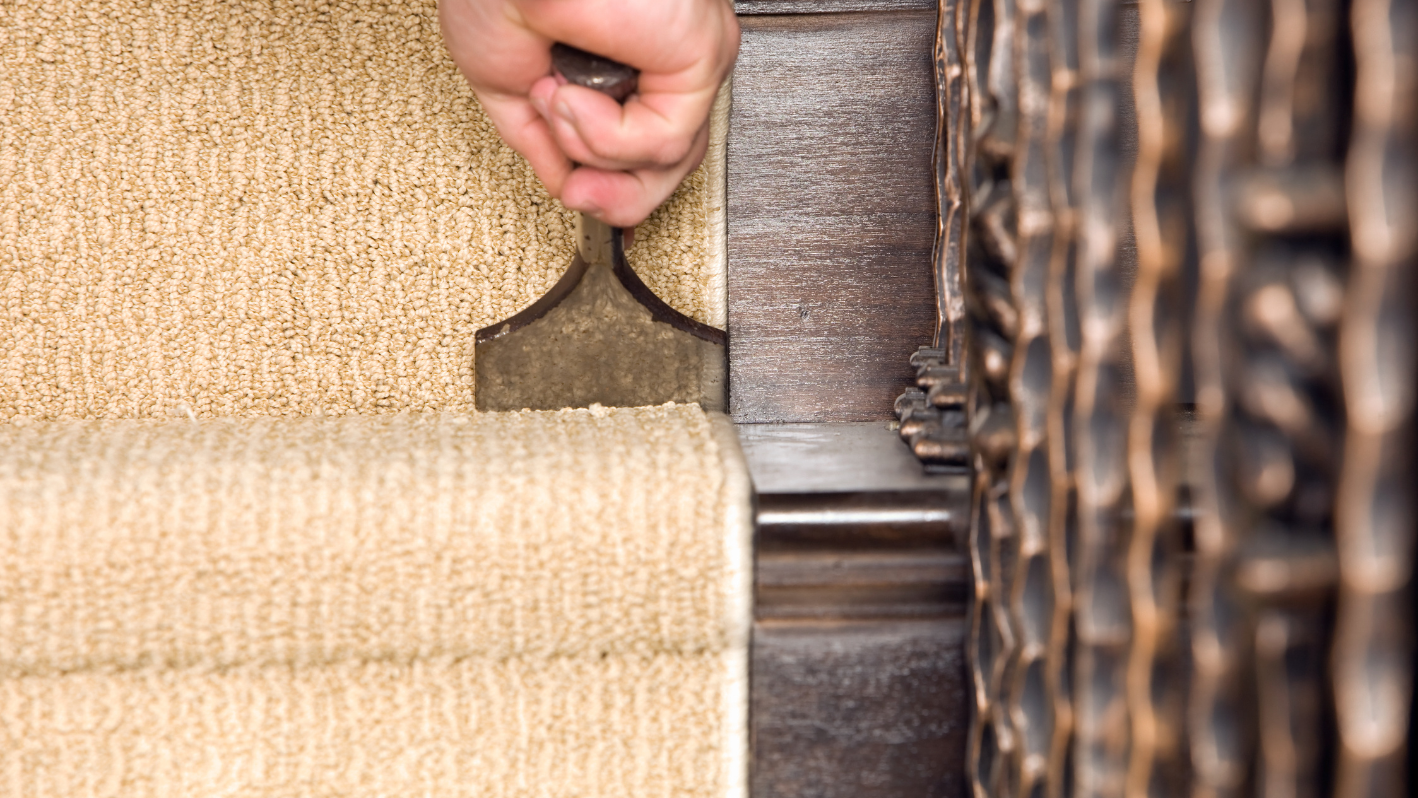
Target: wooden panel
[861,585]
[831,214]
[859,711]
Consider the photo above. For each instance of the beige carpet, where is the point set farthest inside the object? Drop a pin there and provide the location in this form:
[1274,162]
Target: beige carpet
[252,539]
[511,604]
[272,207]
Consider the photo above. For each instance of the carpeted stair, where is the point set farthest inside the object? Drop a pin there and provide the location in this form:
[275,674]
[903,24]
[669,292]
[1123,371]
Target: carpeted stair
[253,538]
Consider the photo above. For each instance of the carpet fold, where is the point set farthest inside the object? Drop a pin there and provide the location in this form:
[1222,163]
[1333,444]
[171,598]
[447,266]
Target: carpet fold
[442,604]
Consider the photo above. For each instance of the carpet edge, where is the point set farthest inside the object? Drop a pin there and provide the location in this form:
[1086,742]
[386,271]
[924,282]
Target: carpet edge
[717,208]
[738,540]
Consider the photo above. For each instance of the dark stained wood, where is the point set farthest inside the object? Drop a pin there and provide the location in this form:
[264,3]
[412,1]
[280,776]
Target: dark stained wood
[829,6]
[861,586]
[859,685]
[870,521]
[859,710]
[849,457]
[849,485]
[831,214]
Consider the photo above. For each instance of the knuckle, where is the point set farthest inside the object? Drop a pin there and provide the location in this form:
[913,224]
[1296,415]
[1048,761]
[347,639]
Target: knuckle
[632,148]
[600,148]
[673,150]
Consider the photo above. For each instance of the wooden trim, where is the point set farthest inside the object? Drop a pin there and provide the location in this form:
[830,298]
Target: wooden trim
[859,710]
[858,684]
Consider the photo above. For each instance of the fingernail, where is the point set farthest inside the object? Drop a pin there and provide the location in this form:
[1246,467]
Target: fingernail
[540,106]
[564,111]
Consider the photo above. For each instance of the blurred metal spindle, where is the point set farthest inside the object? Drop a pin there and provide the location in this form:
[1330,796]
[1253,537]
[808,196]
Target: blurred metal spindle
[1102,606]
[1160,205]
[1373,650]
[1062,317]
[1227,44]
[1030,381]
[1284,417]
[1193,513]
[991,258]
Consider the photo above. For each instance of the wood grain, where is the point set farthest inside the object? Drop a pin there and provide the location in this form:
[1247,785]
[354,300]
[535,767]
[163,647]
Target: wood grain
[849,457]
[873,710]
[831,214]
[859,683]
[861,584]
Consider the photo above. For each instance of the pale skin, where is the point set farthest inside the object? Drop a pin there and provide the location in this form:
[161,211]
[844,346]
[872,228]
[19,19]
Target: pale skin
[614,162]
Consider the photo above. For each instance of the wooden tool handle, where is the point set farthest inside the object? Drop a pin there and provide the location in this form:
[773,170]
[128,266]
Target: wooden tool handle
[612,78]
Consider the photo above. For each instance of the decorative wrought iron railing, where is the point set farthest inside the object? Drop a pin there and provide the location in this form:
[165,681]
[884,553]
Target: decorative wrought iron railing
[1177,267]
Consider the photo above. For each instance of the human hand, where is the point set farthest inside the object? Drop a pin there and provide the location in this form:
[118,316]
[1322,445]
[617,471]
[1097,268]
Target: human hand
[615,162]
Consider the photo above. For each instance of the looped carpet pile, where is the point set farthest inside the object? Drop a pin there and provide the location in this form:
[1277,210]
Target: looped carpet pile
[496,604]
[253,538]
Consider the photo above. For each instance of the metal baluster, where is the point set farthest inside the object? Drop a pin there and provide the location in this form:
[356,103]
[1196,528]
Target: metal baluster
[1284,419]
[1030,383]
[932,414]
[1102,613]
[1062,315]
[1373,646]
[1226,42]
[987,43]
[949,162]
[1238,193]
[1165,257]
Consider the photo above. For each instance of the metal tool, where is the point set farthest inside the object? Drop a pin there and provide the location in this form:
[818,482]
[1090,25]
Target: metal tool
[599,336]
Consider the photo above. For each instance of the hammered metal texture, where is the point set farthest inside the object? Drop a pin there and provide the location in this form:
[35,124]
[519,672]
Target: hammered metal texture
[1226,42]
[987,33]
[932,414]
[1160,205]
[1029,695]
[1193,523]
[1102,602]
[1373,648]
[1062,325]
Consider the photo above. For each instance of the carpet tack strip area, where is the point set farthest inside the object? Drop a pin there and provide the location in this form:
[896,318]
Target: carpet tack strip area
[272,207]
